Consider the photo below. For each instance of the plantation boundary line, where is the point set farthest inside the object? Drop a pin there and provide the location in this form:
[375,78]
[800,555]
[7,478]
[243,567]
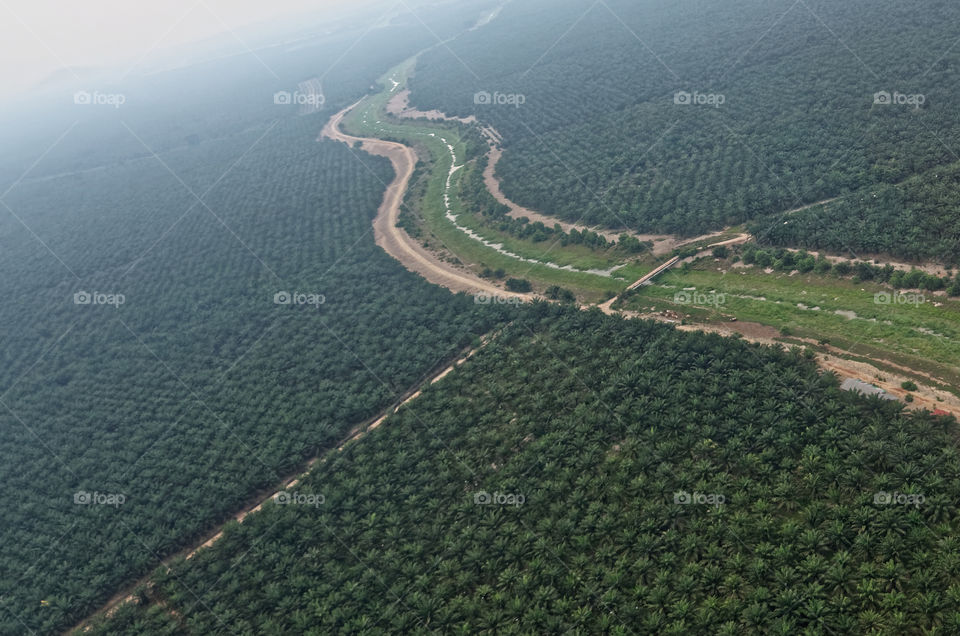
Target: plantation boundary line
[292,480]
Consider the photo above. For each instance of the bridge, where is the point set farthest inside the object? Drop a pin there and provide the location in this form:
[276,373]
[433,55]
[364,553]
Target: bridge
[648,277]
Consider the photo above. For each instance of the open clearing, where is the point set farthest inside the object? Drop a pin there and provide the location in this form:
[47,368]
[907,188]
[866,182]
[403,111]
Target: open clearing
[758,321]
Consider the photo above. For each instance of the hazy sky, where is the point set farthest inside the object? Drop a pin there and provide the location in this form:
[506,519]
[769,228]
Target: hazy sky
[38,37]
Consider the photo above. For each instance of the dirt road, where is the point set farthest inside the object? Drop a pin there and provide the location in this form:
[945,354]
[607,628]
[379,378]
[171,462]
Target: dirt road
[127,595]
[394,240]
[398,244]
[662,243]
[398,106]
[518,211]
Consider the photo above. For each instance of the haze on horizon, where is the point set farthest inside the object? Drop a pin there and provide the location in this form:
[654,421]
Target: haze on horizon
[43,37]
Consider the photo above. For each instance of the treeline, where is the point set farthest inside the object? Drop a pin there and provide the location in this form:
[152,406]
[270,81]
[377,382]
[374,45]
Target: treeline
[586,474]
[474,193]
[784,260]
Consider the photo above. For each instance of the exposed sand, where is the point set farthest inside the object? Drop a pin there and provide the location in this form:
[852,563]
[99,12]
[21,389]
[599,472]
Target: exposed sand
[399,106]
[394,240]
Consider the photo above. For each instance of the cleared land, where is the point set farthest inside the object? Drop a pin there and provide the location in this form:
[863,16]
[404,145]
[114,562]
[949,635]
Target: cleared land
[455,242]
[912,345]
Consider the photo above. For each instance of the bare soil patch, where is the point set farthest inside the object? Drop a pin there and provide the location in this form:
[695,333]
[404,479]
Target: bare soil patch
[399,106]
[391,238]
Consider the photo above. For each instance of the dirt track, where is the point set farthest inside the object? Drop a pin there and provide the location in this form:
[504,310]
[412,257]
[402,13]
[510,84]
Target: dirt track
[399,106]
[394,240]
[397,241]
[517,211]
[811,205]
[662,243]
[127,594]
